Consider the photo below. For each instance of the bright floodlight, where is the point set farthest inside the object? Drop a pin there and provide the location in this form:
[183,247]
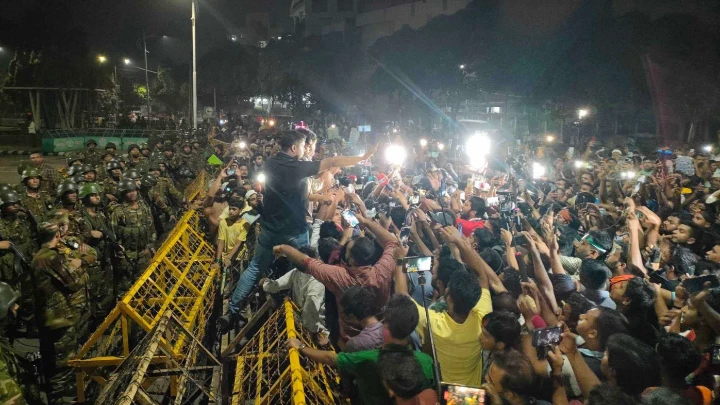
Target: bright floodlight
[102,59]
[261,177]
[477,147]
[242,145]
[423,142]
[462,67]
[271,123]
[549,138]
[707,148]
[441,146]
[538,170]
[394,130]
[582,113]
[579,163]
[127,61]
[395,154]
[333,126]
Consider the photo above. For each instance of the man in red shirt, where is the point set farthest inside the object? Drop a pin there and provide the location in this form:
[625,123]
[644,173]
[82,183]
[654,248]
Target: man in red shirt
[471,217]
[357,268]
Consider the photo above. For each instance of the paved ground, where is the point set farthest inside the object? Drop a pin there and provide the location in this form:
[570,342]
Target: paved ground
[9,164]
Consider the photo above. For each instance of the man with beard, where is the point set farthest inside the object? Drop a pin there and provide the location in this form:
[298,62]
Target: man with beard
[133,226]
[257,163]
[115,174]
[688,235]
[38,202]
[49,175]
[471,215]
[670,225]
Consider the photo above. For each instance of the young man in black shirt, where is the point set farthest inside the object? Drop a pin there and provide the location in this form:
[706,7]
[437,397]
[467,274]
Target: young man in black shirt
[283,213]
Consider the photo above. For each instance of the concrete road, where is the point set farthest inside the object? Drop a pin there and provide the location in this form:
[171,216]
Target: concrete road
[9,164]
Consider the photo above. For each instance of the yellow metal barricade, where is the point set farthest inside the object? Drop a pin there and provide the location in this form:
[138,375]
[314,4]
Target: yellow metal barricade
[179,279]
[193,190]
[267,374]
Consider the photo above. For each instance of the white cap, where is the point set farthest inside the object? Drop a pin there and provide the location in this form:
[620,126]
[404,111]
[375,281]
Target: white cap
[618,151]
[716,175]
[250,193]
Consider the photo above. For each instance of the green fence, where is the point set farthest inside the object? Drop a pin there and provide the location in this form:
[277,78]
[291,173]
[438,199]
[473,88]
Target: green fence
[58,140]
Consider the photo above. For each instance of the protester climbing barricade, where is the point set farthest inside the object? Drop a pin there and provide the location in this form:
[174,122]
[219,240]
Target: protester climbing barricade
[265,373]
[179,280]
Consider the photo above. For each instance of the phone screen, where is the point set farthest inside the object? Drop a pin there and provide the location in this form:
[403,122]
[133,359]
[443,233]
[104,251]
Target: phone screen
[547,336]
[696,284]
[404,234]
[462,394]
[350,218]
[417,264]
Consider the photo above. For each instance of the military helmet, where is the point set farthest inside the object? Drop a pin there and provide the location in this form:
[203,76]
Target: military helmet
[65,187]
[8,298]
[110,145]
[88,168]
[21,167]
[132,146]
[89,188]
[154,165]
[31,172]
[76,168]
[6,187]
[144,146]
[169,147]
[148,180]
[126,185]
[132,174]
[89,141]
[9,196]
[113,164]
[47,230]
[107,152]
[78,179]
[72,158]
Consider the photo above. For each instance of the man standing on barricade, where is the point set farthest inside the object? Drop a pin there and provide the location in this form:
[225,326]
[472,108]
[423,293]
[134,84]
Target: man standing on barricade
[283,213]
[133,226]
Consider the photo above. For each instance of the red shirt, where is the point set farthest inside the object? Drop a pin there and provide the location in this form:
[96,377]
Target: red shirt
[337,279]
[469,225]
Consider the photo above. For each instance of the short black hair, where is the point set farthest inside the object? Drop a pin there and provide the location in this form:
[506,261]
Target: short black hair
[484,237]
[678,356]
[401,316]
[641,295]
[519,375]
[402,372]
[326,246]
[602,239]
[289,138]
[363,251]
[593,274]
[578,305]
[664,396]
[309,251]
[608,323]
[512,282]
[464,290]
[360,302]
[478,205]
[635,364]
[504,327]
[505,301]
[398,215]
[328,229]
[493,259]
[605,394]
[237,202]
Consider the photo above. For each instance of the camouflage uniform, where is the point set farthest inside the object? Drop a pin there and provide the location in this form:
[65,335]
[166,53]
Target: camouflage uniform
[19,230]
[10,391]
[100,277]
[185,168]
[135,231]
[39,206]
[61,293]
[141,164]
[166,187]
[50,179]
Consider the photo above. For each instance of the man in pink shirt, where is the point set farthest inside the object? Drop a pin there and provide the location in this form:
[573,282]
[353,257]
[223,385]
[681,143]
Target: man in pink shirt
[357,268]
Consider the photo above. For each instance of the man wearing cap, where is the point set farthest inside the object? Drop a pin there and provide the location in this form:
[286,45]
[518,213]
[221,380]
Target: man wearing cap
[111,147]
[49,175]
[114,175]
[61,299]
[91,154]
[132,223]
[38,202]
[68,201]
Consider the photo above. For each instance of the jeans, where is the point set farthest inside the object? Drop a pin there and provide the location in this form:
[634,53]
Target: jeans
[261,262]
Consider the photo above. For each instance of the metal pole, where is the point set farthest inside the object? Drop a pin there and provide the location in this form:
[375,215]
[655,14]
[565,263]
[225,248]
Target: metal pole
[215,102]
[147,82]
[194,70]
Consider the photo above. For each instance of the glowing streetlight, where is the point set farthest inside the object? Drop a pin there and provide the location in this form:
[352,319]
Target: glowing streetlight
[242,145]
[708,148]
[549,138]
[538,170]
[462,67]
[261,177]
[579,164]
[582,113]
[394,130]
[333,126]
[127,61]
[102,58]
[441,146]
[395,155]
[271,123]
[423,142]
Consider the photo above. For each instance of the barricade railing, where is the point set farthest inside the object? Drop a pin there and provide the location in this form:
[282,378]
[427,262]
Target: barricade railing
[266,374]
[194,189]
[109,132]
[179,279]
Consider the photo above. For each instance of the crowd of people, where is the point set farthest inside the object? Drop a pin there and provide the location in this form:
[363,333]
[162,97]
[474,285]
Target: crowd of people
[540,276]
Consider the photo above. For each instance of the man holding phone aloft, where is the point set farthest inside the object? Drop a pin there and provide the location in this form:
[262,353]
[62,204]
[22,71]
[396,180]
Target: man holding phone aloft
[283,216]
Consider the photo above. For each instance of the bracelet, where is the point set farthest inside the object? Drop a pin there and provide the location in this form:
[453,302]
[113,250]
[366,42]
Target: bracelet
[302,346]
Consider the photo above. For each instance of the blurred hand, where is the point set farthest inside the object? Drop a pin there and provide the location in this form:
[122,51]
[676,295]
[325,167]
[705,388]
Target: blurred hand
[370,152]
[279,250]
[451,235]
[567,344]
[506,236]
[263,281]
[556,360]
[293,344]
[4,245]
[75,263]
[96,234]
[668,317]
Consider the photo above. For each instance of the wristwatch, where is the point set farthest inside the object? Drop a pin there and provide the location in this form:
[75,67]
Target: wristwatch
[302,346]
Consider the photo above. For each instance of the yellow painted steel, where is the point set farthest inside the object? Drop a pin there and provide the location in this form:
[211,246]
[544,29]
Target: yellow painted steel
[194,189]
[267,374]
[178,279]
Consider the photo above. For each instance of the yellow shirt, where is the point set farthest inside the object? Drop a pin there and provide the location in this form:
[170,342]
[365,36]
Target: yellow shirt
[458,345]
[232,235]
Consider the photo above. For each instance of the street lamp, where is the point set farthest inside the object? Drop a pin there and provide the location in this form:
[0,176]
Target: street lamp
[462,67]
[423,142]
[126,61]
[441,146]
[582,113]
[102,58]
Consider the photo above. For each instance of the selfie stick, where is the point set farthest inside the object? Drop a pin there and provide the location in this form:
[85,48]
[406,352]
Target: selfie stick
[436,364]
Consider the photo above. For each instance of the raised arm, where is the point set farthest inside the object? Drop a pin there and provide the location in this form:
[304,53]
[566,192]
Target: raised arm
[471,258]
[541,275]
[382,235]
[345,161]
